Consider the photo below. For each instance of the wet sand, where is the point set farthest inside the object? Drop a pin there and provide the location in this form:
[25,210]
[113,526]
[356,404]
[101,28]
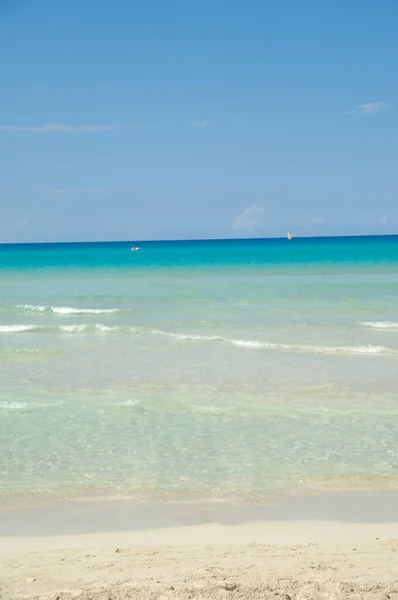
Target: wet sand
[340,545]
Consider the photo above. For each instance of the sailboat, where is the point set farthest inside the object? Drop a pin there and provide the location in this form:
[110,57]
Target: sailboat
[289,235]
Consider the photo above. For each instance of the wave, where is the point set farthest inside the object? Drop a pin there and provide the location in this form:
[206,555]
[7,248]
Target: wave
[31,307]
[188,336]
[252,344]
[17,328]
[94,327]
[66,310]
[380,324]
[129,402]
[78,328]
[256,344]
[313,349]
[12,405]
[73,328]
[239,343]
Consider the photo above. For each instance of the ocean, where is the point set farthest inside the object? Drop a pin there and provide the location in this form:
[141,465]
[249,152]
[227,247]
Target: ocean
[204,370]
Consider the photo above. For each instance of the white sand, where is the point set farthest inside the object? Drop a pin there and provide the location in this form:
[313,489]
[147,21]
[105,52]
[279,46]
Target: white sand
[289,559]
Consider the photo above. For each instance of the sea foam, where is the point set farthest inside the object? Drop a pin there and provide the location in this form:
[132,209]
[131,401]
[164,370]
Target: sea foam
[257,344]
[194,337]
[380,324]
[17,328]
[66,310]
[12,405]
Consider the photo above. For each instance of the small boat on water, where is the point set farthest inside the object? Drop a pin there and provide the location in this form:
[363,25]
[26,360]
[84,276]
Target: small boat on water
[135,248]
[289,235]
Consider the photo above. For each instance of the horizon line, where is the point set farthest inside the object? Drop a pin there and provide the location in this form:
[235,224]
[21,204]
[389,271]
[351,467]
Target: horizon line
[179,240]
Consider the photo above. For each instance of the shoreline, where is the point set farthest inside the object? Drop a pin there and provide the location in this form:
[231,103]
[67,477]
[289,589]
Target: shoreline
[208,535]
[81,517]
[331,545]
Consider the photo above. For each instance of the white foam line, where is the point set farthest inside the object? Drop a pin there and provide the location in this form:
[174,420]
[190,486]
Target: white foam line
[314,349]
[17,328]
[66,310]
[380,324]
[256,344]
[79,328]
[240,343]
[13,405]
[188,336]
[32,307]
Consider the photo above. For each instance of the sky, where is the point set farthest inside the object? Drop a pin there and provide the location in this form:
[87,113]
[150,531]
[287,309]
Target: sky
[176,120]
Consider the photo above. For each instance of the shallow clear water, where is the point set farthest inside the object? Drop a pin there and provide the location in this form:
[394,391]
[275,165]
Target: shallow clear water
[211,369]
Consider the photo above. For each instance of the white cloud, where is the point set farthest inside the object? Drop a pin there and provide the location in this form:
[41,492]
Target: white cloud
[200,123]
[318,220]
[370,108]
[60,128]
[252,218]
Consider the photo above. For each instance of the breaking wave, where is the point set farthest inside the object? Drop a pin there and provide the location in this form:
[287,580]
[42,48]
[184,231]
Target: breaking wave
[18,328]
[380,324]
[66,310]
[187,336]
[77,328]
[97,327]
[87,328]
[314,349]
[256,344]
[12,405]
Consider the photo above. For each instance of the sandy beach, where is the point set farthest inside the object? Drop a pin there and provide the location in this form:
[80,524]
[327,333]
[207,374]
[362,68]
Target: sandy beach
[284,558]
[215,415]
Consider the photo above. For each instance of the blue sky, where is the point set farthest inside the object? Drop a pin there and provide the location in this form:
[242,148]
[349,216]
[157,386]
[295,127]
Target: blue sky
[155,120]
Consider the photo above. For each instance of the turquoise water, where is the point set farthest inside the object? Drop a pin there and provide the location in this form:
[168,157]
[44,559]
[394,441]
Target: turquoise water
[198,369]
